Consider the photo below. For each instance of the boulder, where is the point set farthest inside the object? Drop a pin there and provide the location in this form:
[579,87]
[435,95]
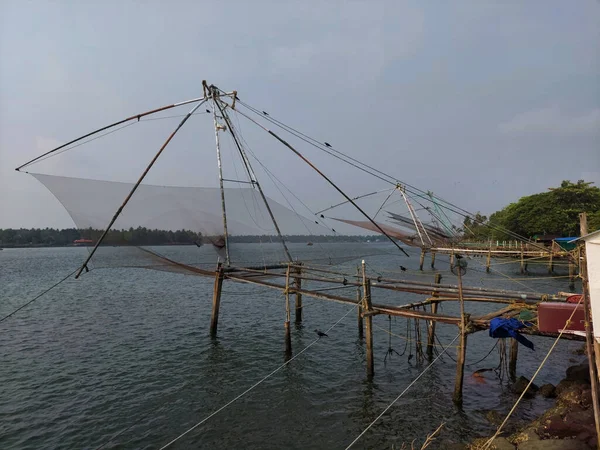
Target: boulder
[501,443]
[494,417]
[521,384]
[555,427]
[580,372]
[573,393]
[548,391]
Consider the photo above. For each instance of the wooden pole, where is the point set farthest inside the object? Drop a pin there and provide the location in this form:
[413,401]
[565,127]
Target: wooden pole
[488,261]
[288,336]
[460,360]
[431,329]
[368,322]
[512,362]
[422,260]
[432,259]
[522,260]
[298,286]
[451,258]
[593,359]
[214,318]
[551,260]
[571,274]
[360,310]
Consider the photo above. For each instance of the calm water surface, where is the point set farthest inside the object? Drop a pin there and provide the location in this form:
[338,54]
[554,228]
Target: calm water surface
[126,345]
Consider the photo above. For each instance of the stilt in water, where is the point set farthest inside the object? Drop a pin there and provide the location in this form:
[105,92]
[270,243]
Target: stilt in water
[522,260]
[512,361]
[422,260]
[433,260]
[488,262]
[298,286]
[214,318]
[288,336]
[452,258]
[571,273]
[368,322]
[462,348]
[551,260]
[431,328]
[360,310]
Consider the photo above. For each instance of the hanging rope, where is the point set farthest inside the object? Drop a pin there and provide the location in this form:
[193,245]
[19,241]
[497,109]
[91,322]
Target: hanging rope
[402,393]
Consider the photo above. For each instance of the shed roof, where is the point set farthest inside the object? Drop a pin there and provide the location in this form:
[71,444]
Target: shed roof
[589,235]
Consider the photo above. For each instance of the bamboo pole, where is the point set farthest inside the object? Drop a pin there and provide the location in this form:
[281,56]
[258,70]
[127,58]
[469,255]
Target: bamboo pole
[360,310]
[432,259]
[461,351]
[522,260]
[368,322]
[512,362]
[422,260]
[551,259]
[431,328]
[216,303]
[288,337]
[488,261]
[571,274]
[298,286]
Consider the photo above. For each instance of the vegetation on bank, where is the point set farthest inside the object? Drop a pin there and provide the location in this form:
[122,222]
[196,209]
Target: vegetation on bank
[555,212]
[50,237]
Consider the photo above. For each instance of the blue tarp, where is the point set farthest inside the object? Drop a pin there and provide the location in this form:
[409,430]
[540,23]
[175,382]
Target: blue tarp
[503,328]
[567,239]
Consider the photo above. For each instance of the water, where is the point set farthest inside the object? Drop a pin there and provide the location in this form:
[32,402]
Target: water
[121,346]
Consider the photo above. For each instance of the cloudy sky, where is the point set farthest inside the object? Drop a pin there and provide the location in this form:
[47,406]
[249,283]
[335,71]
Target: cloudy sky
[480,102]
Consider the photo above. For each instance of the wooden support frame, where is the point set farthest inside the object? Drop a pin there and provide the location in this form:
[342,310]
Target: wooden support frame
[216,302]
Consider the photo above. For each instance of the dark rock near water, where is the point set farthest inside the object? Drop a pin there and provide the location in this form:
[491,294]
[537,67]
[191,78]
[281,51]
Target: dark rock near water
[494,417]
[501,443]
[548,391]
[521,384]
[580,372]
[573,393]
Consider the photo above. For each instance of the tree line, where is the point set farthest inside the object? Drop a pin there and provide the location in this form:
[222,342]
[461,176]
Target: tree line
[555,212]
[51,237]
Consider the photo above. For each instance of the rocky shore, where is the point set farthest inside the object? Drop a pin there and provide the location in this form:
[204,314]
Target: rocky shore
[568,425]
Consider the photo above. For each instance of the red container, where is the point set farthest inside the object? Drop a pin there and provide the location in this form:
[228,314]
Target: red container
[553,316]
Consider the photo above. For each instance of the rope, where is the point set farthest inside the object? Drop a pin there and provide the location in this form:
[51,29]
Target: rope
[402,393]
[38,296]
[254,385]
[407,338]
[489,442]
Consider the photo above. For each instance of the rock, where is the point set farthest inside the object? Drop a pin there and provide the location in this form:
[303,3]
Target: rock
[527,434]
[494,417]
[573,393]
[455,446]
[548,391]
[555,427]
[580,372]
[521,384]
[501,443]
[580,351]
[551,444]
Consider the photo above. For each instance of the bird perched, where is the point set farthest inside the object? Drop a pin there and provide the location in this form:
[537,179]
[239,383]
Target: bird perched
[327,144]
[265,113]
[208,111]
[403,269]
[322,216]
[320,333]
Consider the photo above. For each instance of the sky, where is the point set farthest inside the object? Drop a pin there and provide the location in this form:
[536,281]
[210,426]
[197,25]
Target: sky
[479,102]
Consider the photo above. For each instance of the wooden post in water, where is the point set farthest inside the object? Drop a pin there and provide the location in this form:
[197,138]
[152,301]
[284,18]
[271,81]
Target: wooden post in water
[432,259]
[451,258]
[422,260]
[298,286]
[512,361]
[462,348]
[488,262]
[551,260]
[368,322]
[431,329]
[571,273]
[214,318]
[359,308]
[522,260]
[288,336]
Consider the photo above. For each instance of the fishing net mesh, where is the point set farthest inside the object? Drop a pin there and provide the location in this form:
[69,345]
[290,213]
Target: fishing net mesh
[158,217]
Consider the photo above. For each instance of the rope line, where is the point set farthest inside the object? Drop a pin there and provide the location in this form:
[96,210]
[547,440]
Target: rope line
[489,442]
[254,385]
[38,296]
[403,392]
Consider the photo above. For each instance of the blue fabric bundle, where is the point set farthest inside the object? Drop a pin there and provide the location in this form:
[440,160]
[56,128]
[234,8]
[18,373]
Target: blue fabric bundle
[503,328]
